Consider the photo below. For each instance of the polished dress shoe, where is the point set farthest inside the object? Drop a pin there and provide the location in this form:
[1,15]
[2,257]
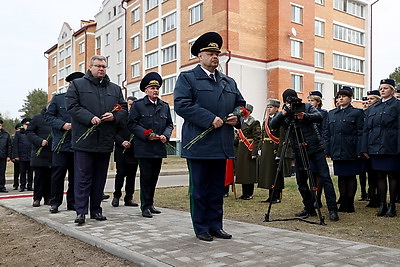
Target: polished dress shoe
[221,234]
[36,203]
[146,213]
[98,217]
[154,210]
[21,189]
[104,197]
[53,209]
[130,203]
[115,202]
[71,208]
[80,219]
[306,213]
[29,189]
[3,190]
[333,215]
[15,187]
[205,237]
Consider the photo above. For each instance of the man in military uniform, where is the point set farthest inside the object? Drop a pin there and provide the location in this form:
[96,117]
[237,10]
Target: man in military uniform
[5,156]
[205,97]
[151,124]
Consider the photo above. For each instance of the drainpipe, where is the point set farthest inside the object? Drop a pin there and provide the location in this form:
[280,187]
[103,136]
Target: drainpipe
[125,56]
[370,47]
[227,39]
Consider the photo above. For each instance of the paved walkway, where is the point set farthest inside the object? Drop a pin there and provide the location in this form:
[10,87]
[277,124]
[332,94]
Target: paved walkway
[168,240]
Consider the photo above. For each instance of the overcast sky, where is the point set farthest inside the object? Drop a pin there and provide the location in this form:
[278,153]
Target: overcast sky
[28,28]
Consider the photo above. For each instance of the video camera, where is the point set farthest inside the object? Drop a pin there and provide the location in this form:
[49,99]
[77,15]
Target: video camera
[296,105]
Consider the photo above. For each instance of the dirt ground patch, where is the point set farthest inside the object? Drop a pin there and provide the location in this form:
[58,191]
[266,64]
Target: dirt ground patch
[25,242]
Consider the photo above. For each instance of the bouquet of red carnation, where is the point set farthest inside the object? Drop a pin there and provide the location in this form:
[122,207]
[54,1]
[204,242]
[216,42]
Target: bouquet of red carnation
[92,129]
[242,112]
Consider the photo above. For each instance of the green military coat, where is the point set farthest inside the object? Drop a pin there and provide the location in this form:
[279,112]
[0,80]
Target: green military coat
[245,166]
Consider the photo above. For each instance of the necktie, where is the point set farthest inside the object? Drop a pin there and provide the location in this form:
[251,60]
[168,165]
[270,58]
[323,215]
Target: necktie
[212,77]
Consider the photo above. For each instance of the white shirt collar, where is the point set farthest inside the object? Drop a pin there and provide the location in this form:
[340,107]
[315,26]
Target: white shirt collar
[207,72]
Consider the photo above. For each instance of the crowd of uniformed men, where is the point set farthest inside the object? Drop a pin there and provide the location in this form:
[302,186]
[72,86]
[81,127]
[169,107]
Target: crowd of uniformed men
[78,130]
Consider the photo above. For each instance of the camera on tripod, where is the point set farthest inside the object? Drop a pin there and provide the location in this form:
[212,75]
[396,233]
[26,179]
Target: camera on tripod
[296,105]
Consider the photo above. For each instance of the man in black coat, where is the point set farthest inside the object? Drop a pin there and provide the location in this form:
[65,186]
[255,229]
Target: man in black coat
[126,163]
[63,155]
[151,123]
[95,104]
[39,134]
[21,153]
[305,122]
[5,156]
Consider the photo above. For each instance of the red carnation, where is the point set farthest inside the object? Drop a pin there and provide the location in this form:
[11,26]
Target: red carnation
[147,132]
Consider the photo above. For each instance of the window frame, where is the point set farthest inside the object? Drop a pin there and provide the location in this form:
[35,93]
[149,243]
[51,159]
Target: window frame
[293,49]
[294,18]
[193,17]
[293,79]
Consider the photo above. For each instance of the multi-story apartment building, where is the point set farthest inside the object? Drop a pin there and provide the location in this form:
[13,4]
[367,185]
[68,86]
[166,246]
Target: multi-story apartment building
[71,53]
[269,45]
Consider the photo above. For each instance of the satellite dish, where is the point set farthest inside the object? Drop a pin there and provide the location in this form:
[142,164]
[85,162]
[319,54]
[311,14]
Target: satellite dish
[294,32]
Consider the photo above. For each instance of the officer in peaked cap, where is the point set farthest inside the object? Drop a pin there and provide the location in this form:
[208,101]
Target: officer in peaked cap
[73,76]
[26,121]
[150,79]
[210,41]
[317,93]
[203,96]
[346,90]
[374,92]
[389,81]
[151,124]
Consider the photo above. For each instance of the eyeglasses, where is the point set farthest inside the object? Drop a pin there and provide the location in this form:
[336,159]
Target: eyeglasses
[100,66]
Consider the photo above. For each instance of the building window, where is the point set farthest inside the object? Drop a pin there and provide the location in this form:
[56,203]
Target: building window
[135,42]
[347,63]
[168,85]
[346,34]
[196,13]
[151,60]
[67,70]
[119,33]
[54,78]
[108,61]
[169,53]
[169,22]
[321,2]
[318,59]
[297,82]
[351,7]
[82,67]
[135,69]
[296,48]
[358,92]
[61,55]
[151,30]
[136,15]
[119,79]
[190,49]
[151,4]
[98,42]
[119,56]
[107,38]
[61,74]
[68,50]
[297,14]
[319,28]
[319,87]
[54,60]
[82,47]
[109,15]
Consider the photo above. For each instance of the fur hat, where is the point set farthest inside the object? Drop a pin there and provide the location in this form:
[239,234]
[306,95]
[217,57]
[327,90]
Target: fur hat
[273,102]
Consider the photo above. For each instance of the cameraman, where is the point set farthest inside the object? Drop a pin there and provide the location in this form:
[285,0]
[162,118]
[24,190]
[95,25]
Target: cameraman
[304,116]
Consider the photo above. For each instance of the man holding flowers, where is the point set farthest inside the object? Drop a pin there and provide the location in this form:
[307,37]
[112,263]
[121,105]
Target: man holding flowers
[205,97]
[151,124]
[95,105]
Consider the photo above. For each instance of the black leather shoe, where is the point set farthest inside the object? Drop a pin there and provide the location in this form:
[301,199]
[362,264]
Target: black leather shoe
[105,197]
[71,208]
[130,203]
[221,234]
[146,213]
[80,219]
[3,190]
[154,210]
[382,209]
[98,216]
[21,189]
[333,215]
[115,202]
[391,212]
[15,187]
[29,189]
[53,209]
[205,237]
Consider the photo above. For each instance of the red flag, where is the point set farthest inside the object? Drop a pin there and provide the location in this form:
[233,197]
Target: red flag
[229,172]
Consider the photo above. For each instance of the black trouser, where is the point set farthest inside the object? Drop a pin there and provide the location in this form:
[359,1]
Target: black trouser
[3,164]
[25,170]
[61,163]
[149,171]
[16,173]
[247,190]
[127,170]
[42,183]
